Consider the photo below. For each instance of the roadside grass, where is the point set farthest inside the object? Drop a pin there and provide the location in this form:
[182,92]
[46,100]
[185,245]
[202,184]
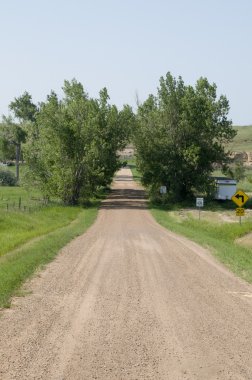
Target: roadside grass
[218,233]
[31,233]
[220,238]
[16,228]
[218,230]
[64,223]
[23,216]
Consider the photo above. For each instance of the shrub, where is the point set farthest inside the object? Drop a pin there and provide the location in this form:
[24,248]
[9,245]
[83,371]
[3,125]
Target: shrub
[7,178]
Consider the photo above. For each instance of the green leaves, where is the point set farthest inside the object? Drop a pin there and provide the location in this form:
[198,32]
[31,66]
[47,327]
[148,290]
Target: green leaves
[75,151]
[23,108]
[180,135]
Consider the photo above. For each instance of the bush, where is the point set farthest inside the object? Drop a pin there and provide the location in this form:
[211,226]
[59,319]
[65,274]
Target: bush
[7,178]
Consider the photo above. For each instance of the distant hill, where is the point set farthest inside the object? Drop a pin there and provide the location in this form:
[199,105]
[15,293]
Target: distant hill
[243,140]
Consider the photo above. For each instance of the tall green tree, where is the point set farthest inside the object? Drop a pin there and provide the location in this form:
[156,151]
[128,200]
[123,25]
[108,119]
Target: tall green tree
[182,132]
[14,128]
[23,108]
[7,150]
[75,150]
[12,135]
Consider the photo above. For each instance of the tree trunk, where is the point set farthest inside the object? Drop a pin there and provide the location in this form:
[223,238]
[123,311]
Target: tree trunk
[18,150]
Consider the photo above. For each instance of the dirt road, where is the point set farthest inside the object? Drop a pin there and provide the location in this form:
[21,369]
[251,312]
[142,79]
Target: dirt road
[129,300]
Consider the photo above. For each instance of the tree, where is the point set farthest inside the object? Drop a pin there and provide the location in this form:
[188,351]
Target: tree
[75,149]
[111,133]
[182,132]
[23,108]
[7,150]
[236,171]
[13,133]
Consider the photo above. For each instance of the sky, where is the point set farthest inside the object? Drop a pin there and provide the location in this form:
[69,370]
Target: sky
[126,46]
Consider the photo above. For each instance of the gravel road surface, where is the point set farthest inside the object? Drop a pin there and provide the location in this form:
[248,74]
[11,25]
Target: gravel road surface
[129,300]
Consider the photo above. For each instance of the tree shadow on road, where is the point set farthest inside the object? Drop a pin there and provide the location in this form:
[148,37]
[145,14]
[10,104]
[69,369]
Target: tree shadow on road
[125,199]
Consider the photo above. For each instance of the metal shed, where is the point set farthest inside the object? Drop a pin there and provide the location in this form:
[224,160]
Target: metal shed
[225,187]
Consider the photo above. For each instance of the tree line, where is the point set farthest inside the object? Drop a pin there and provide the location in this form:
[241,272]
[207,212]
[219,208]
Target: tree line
[71,144]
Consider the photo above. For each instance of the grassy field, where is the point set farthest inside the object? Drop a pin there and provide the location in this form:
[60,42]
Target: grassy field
[245,184]
[243,140]
[19,198]
[16,228]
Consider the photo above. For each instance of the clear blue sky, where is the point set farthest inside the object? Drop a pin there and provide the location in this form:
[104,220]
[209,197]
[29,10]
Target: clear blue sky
[126,46]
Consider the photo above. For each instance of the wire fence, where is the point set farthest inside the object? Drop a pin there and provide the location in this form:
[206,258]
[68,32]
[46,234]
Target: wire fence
[22,204]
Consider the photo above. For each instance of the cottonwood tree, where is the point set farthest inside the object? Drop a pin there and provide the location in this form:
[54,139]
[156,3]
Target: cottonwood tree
[14,128]
[7,150]
[75,150]
[12,135]
[23,108]
[181,133]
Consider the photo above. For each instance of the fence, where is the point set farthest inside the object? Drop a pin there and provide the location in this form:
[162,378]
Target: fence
[22,204]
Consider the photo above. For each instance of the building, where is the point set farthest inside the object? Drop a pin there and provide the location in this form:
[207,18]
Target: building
[225,188]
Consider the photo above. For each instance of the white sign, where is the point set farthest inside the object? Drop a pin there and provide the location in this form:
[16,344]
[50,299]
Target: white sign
[199,202]
[163,190]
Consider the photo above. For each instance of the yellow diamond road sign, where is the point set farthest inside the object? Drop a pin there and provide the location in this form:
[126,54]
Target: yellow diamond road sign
[240,198]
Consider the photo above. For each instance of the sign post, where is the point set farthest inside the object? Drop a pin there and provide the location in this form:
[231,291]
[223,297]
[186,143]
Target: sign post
[199,204]
[240,212]
[240,198]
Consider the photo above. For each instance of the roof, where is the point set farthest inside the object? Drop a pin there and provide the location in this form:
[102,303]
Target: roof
[225,180]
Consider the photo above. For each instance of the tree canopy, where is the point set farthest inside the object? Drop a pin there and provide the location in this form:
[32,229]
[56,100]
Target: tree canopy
[13,129]
[23,107]
[181,132]
[72,149]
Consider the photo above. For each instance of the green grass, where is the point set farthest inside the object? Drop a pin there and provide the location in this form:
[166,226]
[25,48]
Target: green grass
[10,196]
[17,228]
[218,237]
[243,140]
[32,235]
[18,265]
[22,170]
[245,185]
